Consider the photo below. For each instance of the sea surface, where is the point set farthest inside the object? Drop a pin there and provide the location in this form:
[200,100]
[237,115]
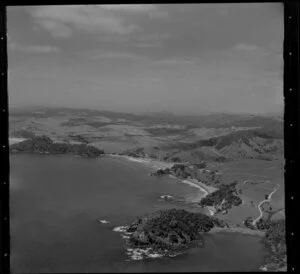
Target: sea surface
[65,212]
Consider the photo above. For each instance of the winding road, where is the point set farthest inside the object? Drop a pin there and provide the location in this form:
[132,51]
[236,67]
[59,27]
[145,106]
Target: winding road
[264,201]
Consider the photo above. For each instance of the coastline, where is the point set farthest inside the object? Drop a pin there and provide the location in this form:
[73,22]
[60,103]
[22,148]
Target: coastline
[156,164]
[204,190]
[15,140]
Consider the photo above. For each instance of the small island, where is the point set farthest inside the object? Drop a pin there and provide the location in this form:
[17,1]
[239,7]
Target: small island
[44,145]
[171,230]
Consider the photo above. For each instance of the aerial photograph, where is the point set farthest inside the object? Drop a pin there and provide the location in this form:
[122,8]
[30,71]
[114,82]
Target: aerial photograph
[146,138]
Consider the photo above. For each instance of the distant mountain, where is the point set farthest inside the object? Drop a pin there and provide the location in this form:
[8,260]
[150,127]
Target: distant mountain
[211,137]
[202,120]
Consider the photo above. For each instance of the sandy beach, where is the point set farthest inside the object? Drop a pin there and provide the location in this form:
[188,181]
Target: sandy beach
[14,140]
[203,191]
[156,164]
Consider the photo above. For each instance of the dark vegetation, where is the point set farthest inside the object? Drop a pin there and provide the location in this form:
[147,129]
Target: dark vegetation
[44,144]
[266,222]
[248,223]
[135,152]
[194,171]
[192,156]
[274,240]
[223,198]
[222,141]
[78,138]
[171,229]
[264,157]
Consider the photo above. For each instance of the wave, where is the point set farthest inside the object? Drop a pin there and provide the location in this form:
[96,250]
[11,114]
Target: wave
[137,254]
[103,221]
[193,185]
[166,197]
[120,229]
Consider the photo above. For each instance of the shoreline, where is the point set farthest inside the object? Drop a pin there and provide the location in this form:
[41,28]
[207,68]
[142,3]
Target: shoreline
[204,191]
[15,140]
[156,164]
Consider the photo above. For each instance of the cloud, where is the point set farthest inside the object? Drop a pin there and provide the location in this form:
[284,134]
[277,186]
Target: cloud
[112,55]
[56,28]
[151,40]
[130,8]
[149,44]
[223,12]
[92,18]
[246,47]
[35,49]
[117,55]
[177,61]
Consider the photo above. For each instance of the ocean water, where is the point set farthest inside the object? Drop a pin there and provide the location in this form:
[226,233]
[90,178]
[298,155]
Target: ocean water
[65,211]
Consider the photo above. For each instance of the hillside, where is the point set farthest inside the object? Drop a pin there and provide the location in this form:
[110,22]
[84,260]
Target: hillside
[44,145]
[168,137]
[247,144]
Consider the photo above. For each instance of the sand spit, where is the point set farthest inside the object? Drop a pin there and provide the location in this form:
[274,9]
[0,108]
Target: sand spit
[14,140]
[155,164]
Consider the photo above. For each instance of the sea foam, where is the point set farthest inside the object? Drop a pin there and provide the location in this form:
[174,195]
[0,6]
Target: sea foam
[120,229]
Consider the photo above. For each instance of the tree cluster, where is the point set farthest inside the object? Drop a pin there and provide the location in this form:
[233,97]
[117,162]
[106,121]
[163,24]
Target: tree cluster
[172,228]
[225,197]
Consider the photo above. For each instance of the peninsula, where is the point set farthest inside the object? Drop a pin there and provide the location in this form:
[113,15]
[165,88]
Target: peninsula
[44,145]
[172,229]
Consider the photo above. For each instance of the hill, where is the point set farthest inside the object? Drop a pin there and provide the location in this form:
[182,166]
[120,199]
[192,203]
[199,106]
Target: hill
[174,138]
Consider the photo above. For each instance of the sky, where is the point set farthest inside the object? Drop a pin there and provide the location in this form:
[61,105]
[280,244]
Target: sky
[181,58]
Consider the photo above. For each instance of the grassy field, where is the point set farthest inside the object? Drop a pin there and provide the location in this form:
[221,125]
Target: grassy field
[265,175]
